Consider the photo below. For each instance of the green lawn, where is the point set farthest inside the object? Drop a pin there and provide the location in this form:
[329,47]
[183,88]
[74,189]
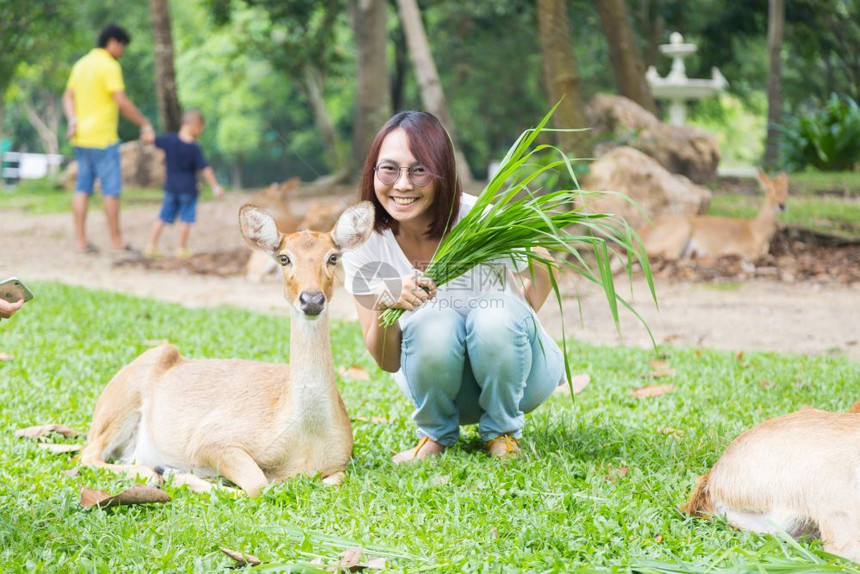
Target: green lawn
[598,487]
[41,196]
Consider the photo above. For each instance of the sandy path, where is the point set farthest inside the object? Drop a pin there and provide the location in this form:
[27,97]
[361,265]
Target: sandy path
[765,315]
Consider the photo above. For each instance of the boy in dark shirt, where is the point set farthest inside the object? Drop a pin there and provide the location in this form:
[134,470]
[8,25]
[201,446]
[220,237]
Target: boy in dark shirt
[183,158]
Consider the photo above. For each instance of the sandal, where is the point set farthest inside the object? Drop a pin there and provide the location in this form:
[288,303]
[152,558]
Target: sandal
[503,446]
[183,253]
[127,249]
[90,248]
[411,455]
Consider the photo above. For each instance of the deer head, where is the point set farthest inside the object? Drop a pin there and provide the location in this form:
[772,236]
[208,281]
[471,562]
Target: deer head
[308,259]
[775,189]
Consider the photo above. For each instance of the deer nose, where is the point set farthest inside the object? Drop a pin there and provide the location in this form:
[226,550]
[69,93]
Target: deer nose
[782,206]
[312,302]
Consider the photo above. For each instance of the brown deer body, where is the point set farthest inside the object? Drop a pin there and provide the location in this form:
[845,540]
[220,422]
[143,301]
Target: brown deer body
[681,236]
[799,473]
[253,423]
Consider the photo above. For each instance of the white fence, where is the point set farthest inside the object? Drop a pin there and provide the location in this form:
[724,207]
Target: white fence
[16,165]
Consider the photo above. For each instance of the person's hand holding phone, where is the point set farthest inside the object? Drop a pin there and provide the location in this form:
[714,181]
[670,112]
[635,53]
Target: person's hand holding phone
[13,294]
[8,309]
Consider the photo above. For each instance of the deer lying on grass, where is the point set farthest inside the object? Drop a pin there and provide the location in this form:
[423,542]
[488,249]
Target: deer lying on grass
[251,422]
[681,236]
[799,473]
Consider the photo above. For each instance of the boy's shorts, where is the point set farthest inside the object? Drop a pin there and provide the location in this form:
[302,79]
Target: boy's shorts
[184,205]
[101,163]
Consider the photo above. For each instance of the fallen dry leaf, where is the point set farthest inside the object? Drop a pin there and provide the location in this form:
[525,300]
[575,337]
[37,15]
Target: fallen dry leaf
[72,472]
[652,391]
[6,357]
[658,365]
[658,539]
[350,558]
[579,382]
[855,408]
[766,383]
[241,558]
[137,494]
[44,430]
[739,356]
[59,448]
[377,420]
[615,474]
[664,372]
[374,563]
[494,532]
[355,373]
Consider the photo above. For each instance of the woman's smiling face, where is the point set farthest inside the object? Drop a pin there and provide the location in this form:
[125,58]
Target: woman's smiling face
[406,202]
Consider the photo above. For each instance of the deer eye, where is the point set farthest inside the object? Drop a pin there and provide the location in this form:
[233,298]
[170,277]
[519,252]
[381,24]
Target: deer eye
[283,260]
[332,259]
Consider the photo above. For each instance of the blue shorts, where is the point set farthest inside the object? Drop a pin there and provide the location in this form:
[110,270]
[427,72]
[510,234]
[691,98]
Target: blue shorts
[101,163]
[184,205]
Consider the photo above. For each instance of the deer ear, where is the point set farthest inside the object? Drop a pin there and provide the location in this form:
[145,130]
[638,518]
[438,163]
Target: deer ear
[259,229]
[354,226]
[762,176]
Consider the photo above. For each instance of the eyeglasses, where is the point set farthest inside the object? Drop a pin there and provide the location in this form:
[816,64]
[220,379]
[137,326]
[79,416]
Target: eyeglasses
[389,173]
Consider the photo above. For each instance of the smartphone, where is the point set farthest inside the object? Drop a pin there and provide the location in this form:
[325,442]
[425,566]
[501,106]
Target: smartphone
[13,289]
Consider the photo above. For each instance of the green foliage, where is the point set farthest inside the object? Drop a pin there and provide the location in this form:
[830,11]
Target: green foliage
[597,488]
[827,138]
[738,125]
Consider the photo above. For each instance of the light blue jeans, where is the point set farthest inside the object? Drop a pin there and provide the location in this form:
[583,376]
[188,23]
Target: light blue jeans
[488,365]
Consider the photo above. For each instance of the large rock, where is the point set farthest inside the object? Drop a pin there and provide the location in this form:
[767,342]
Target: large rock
[142,166]
[646,182]
[617,121]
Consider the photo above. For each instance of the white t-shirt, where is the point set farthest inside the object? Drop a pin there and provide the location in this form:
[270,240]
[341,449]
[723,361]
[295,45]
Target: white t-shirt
[375,268]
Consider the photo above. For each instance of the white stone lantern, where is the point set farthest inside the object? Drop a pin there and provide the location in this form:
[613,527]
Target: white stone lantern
[676,86]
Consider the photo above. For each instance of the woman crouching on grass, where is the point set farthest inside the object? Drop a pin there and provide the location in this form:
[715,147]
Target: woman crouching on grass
[471,351]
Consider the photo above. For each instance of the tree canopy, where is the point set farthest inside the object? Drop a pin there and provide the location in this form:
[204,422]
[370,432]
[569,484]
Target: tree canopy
[263,71]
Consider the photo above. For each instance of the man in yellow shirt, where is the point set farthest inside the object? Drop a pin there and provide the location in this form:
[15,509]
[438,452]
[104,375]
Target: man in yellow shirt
[94,95]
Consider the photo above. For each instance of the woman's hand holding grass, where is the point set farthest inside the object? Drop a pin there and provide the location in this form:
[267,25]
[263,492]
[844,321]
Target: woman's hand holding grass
[415,291]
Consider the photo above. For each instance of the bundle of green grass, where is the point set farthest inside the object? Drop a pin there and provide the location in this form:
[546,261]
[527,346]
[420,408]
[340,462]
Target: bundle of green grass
[510,219]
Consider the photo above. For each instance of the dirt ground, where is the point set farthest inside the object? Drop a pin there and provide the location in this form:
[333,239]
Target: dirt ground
[764,308]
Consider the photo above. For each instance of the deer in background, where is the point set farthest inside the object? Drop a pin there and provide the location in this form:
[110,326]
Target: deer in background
[799,473]
[681,236]
[250,422]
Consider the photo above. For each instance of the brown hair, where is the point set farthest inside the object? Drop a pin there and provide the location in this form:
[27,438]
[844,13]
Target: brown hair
[432,148]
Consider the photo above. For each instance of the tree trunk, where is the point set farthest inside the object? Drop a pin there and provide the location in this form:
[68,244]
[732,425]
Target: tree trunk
[432,96]
[236,174]
[165,75]
[775,29]
[624,54]
[314,89]
[651,24]
[47,125]
[561,75]
[372,96]
[398,76]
